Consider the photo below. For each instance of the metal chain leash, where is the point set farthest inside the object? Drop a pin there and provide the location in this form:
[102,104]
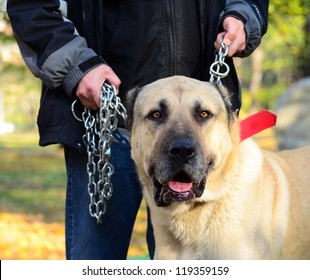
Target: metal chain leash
[219,69]
[98,138]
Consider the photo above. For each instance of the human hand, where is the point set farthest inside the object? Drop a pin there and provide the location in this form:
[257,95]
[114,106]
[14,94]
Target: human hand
[234,36]
[89,87]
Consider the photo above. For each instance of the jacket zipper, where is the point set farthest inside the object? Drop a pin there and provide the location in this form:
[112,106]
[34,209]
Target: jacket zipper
[171,40]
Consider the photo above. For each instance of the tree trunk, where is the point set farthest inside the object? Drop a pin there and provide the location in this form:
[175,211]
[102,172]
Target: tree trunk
[303,69]
[257,58]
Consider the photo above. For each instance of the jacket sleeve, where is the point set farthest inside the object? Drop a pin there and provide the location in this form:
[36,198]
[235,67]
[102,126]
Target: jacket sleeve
[254,15]
[50,44]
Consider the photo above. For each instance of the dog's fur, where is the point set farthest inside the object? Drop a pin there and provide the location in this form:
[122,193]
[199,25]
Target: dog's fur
[244,203]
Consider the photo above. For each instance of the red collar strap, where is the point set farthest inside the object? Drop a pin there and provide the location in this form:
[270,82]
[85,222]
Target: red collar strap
[256,123]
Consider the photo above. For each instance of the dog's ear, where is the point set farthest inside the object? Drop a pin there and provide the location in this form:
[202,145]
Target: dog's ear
[130,104]
[232,115]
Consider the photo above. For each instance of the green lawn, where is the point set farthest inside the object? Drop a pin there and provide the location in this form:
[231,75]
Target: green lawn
[32,195]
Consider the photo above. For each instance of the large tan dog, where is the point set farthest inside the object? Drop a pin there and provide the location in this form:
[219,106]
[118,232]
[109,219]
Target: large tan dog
[210,195]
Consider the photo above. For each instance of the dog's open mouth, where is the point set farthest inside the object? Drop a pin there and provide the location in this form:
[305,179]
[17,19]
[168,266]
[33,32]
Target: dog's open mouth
[179,189]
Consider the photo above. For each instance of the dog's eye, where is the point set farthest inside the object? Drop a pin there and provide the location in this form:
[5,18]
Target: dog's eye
[204,114]
[155,115]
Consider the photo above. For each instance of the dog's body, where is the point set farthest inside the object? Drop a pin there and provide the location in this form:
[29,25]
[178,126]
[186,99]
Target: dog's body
[210,195]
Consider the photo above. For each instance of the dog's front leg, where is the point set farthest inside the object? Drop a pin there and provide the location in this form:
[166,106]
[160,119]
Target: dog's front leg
[166,246]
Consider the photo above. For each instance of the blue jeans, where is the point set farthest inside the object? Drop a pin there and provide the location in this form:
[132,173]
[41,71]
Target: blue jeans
[85,239]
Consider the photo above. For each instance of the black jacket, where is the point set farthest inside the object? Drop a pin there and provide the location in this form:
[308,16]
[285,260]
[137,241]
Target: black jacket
[141,40]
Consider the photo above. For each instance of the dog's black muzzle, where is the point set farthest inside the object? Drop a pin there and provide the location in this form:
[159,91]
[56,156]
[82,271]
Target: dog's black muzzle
[179,175]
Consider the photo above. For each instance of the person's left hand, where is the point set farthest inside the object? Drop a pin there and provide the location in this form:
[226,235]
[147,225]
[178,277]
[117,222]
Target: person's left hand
[234,36]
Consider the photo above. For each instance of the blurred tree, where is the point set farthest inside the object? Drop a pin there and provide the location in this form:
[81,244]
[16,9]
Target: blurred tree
[304,57]
[277,62]
[20,91]
[289,21]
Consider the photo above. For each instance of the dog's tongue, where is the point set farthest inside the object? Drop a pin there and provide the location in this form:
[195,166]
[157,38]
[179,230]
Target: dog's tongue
[180,186]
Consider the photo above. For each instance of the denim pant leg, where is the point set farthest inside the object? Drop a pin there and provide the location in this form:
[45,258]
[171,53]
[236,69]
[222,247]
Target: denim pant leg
[85,239]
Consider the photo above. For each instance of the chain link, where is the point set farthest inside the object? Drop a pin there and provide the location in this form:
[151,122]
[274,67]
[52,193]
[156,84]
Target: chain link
[98,138]
[219,69]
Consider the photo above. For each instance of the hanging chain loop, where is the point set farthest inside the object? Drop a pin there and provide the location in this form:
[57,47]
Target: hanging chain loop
[219,69]
[98,138]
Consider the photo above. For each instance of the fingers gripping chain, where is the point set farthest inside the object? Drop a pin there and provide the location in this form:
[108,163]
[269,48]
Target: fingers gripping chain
[98,137]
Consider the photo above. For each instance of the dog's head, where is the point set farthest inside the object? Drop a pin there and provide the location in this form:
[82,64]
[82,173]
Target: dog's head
[180,132]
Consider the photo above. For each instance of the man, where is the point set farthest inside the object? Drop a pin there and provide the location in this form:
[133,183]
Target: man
[76,46]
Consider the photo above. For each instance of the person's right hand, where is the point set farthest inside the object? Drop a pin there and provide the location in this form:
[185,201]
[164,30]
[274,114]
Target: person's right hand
[234,36]
[89,87]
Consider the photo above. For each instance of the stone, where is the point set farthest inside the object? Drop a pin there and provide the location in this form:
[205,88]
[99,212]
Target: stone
[293,111]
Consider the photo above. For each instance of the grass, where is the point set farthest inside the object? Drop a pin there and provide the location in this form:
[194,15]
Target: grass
[32,199]
[32,178]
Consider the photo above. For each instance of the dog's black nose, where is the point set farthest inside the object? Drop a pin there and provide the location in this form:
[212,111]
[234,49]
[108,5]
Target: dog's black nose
[182,148]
